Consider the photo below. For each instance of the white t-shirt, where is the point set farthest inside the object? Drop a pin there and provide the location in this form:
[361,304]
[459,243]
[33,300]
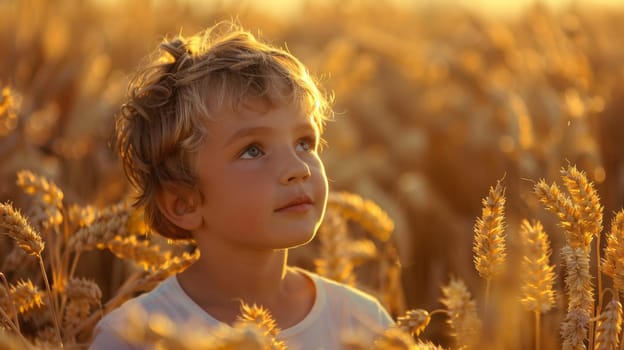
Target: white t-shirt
[337,308]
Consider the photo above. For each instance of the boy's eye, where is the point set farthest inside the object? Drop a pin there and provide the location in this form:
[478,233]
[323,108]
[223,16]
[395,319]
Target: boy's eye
[251,152]
[306,144]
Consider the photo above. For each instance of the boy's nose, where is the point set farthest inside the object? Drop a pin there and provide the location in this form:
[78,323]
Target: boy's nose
[295,170]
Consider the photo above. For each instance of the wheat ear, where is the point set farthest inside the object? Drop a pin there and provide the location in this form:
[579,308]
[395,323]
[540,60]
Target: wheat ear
[18,228]
[613,263]
[538,295]
[561,205]
[393,338]
[335,261]
[587,202]
[489,237]
[462,313]
[416,320]
[8,111]
[609,325]
[580,297]
[30,241]
[262,318]
[363,211]
[576,254]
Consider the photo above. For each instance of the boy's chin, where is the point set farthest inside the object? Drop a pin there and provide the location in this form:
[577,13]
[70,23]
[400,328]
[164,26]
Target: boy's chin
[305,241]
[297,240]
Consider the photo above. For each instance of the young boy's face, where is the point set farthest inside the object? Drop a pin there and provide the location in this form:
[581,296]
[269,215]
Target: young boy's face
[263,183]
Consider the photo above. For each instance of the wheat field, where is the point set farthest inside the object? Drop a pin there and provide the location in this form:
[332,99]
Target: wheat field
[476,166]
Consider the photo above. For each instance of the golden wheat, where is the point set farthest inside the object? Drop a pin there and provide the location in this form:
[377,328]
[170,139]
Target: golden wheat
[8,111]
[83,289]
[609,326]
[365,212]
[251,334]
[23,297]
[569,219]
[40,187]
[527,92]
[15,259]
[489,236]
[394,339]
[261,318]
[462,314]
[20,230]
[538,279]
[539,276]
[108,223]
[580,215]
[334,261]
[580,297]
[414,321]
[144,253]
[613,264]
[585,197]
[171,267]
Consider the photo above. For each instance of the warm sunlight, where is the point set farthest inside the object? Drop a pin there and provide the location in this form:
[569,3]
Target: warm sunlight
[311,174]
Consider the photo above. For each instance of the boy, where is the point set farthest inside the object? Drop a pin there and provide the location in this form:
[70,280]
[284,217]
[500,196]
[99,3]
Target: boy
[220,136]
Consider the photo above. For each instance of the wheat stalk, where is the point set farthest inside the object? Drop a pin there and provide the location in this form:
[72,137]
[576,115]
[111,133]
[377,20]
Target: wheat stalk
[47,209]
[108,223]
[537,288]
[334,261]
[580,215]
[539,277]
[82,294]
[569,218]
[261,318]
[8,111]
[42,188]
[613,263]
[587,201]
[6,303]
[16,258]
[20,230]
[394,338]
[30,241]
[365,212]
[11,342]
[166,335]
[580,297]
[144,253]
[416,320]
[609,325]
[462,314]
[489,237]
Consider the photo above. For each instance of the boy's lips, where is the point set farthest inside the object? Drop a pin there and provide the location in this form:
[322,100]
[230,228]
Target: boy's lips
[297,204]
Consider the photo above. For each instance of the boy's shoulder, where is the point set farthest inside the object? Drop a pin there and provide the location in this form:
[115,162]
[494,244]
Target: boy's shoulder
[149,302]
[113,330]
[343,307]
[167,299]
[339,289]
[340,294]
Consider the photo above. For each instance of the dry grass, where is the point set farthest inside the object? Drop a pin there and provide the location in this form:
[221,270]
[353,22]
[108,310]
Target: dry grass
[434,106]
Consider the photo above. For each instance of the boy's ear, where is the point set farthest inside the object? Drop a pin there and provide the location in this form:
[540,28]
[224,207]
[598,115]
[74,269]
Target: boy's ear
[180,205]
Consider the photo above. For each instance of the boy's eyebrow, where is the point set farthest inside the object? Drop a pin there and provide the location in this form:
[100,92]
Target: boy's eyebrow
[309,126]
[246,132]
[301,127]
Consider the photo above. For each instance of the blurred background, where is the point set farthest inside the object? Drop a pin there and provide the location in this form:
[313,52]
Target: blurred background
[435,101]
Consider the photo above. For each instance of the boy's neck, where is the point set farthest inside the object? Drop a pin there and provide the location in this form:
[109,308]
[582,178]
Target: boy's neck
[225,275]
[218,279]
